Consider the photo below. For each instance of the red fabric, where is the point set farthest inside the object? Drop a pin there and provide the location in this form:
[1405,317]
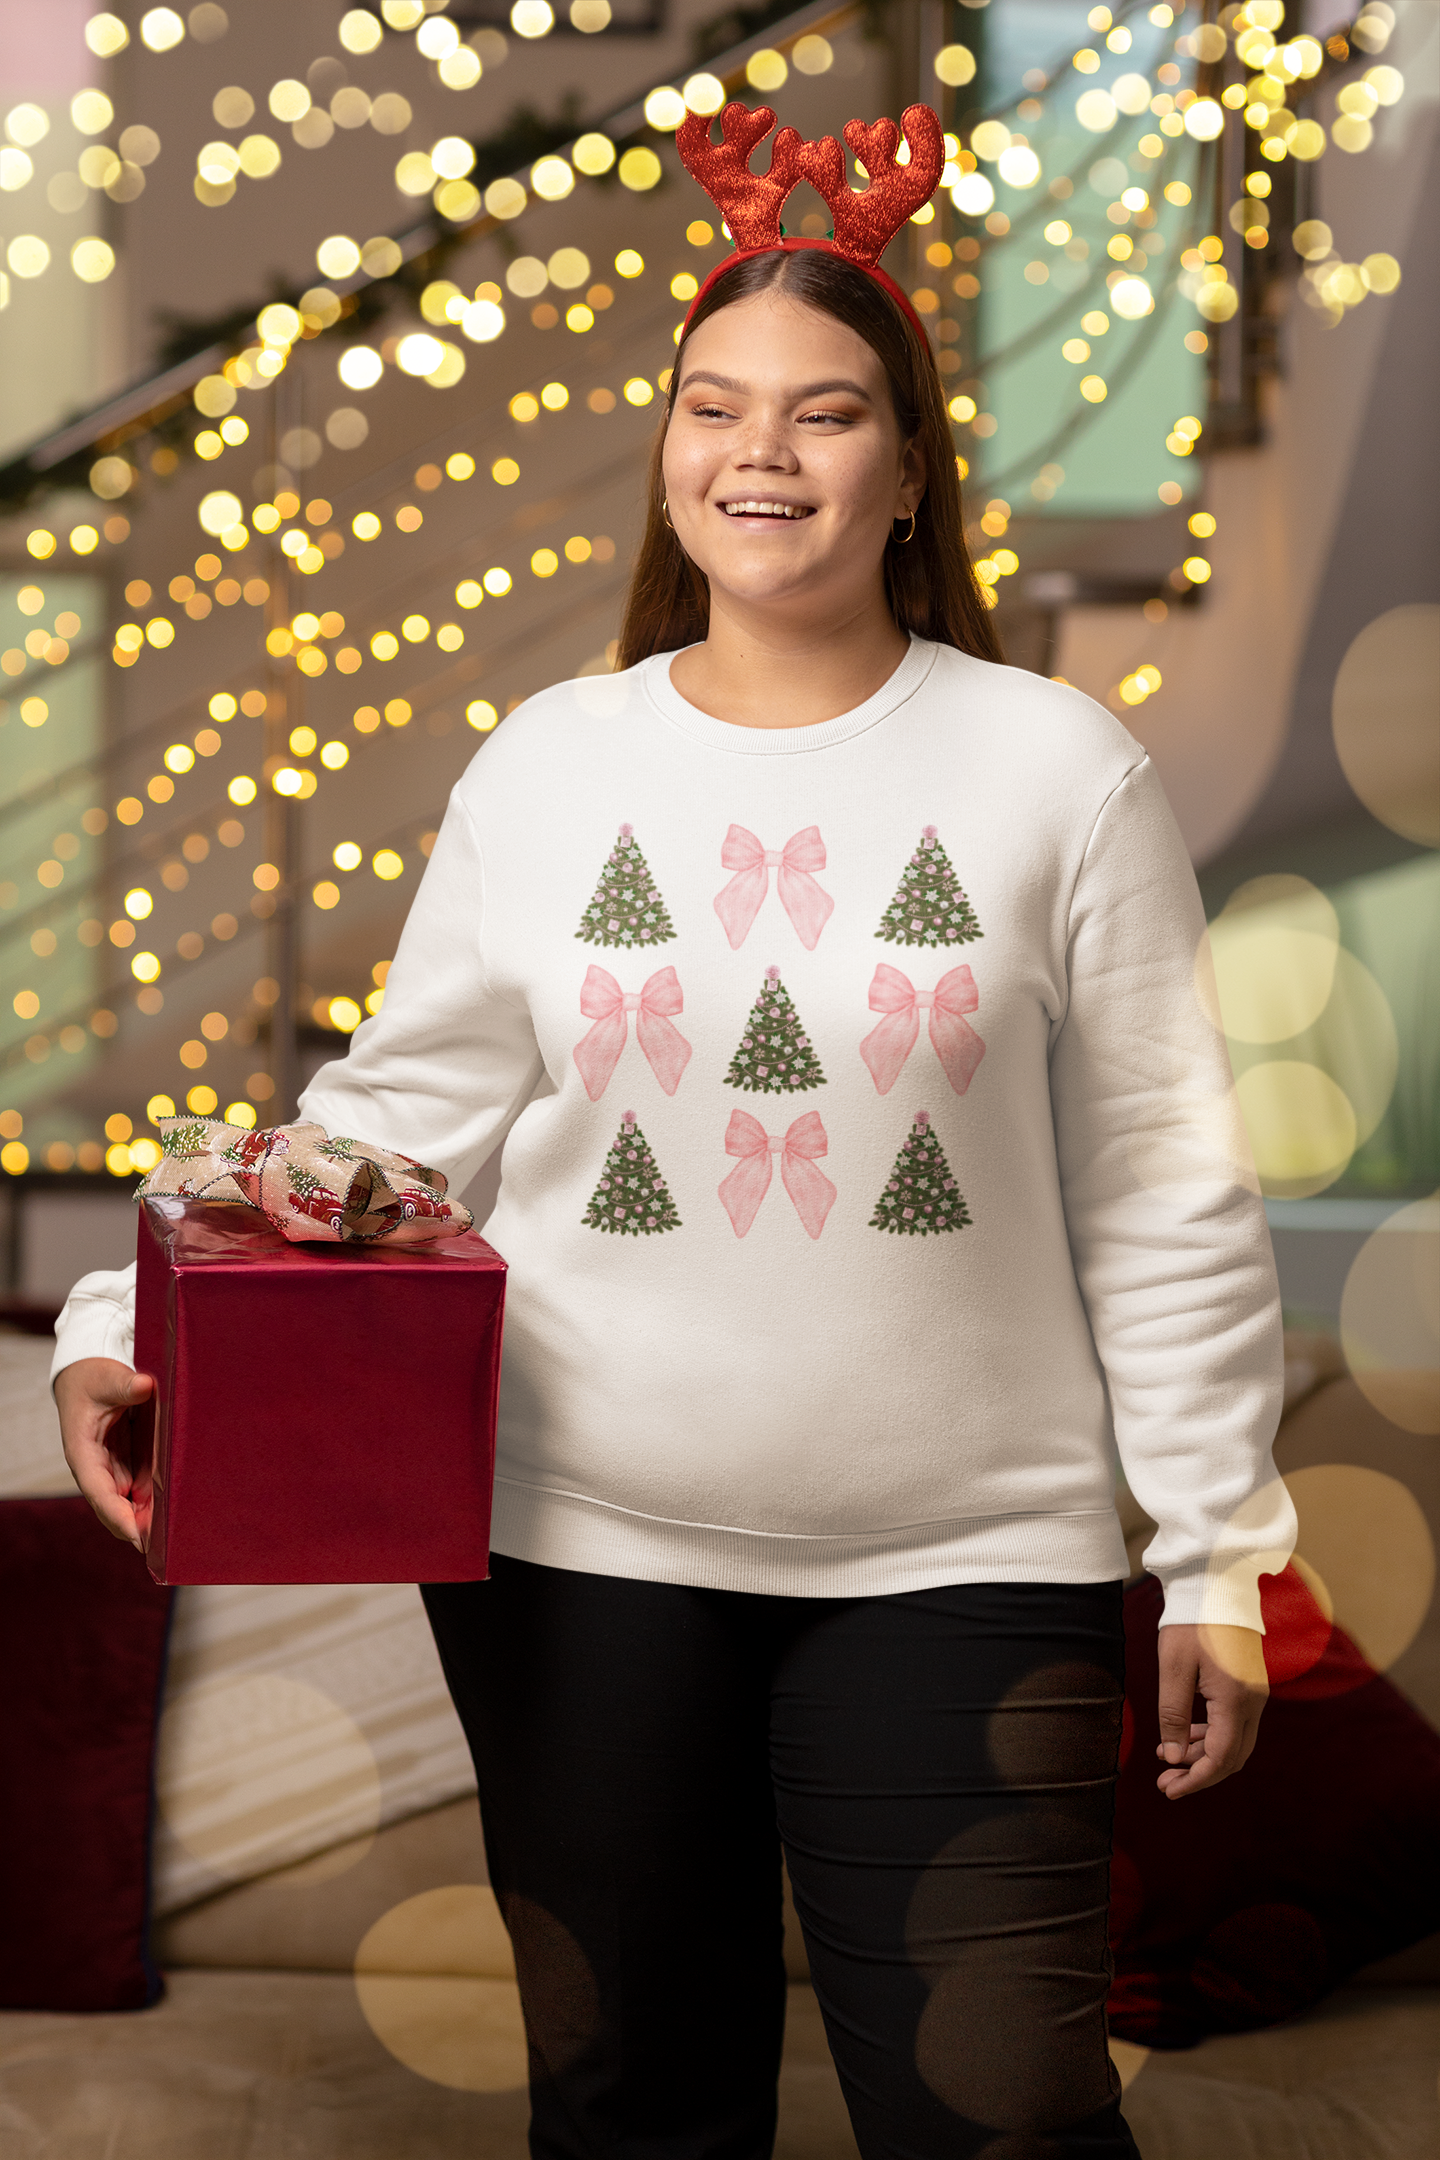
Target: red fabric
[84,1633]
[323,1413]
[865,221]
[1247,1904]
[749,202]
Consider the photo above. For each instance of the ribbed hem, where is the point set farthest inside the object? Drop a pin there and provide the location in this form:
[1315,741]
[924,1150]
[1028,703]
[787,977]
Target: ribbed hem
[589,1537]
[909,677]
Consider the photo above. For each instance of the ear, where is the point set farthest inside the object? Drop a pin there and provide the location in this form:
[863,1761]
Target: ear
[914,477]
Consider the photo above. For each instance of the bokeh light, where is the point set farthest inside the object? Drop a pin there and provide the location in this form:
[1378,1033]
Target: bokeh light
[1390,1317]
[256,1769]
[431,1980]
[1302,1126]
[1385,711]
[161,29]
[954,65]
[1273,952]
[1368,1554]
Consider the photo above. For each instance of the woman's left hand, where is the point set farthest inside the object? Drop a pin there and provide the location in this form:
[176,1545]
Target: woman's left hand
[1225,1665]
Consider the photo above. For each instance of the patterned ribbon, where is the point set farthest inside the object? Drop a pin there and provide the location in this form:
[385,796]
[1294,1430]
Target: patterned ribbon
[603,1001]
[308,1186]
[743,1190]
[739,902]
[957,1045]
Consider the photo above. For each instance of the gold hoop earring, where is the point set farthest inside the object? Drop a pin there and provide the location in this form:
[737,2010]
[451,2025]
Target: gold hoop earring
[909,536]
[665,511]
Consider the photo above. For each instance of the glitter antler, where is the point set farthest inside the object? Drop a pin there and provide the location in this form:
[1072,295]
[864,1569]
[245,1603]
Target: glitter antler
[749,202]
[866,222]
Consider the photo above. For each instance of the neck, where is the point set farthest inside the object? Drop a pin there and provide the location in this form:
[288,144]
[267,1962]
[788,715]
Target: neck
[755,671]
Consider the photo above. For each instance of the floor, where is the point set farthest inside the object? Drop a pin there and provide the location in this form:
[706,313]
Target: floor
[288,2066]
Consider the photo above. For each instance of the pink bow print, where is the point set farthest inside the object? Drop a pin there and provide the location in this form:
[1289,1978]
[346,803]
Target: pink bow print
[603,1001]
[957,1045]
[802,899]
[743,1190]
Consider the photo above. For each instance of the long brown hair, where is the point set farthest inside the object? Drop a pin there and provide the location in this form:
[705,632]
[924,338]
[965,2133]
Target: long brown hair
[928,580]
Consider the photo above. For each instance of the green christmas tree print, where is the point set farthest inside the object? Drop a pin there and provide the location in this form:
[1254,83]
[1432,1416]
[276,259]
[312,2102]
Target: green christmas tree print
[775,1056]
[627,908]
[929,907]
[185,1140]
[631,1198]
[921,1195]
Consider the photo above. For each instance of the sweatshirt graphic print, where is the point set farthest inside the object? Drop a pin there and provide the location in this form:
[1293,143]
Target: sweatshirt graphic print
[889,1332]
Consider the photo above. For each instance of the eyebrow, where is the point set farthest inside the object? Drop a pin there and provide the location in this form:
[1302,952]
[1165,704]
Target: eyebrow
[809,390]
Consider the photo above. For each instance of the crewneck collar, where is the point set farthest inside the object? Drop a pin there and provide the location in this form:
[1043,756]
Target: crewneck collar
[679,713]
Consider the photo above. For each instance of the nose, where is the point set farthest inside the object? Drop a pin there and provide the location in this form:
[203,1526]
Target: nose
[764,445]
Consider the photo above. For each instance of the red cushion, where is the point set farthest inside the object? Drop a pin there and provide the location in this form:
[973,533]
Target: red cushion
[1245,1905]
[84,1631]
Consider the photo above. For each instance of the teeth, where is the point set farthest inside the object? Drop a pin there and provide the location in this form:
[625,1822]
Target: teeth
[765,509]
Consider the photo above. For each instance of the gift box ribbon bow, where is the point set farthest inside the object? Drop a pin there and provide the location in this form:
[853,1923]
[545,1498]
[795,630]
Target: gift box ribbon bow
[307,1185]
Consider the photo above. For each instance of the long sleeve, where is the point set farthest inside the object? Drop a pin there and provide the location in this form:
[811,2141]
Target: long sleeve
[444,1067]
[1167,1230]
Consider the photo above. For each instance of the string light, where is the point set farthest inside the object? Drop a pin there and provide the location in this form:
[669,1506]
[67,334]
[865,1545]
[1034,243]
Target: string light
[157,631]
[334,754]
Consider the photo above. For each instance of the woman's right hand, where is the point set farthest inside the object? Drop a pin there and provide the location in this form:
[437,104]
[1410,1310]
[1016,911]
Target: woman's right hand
[93,1396]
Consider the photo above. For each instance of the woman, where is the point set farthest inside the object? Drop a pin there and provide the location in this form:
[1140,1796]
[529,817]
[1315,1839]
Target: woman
[804,1526]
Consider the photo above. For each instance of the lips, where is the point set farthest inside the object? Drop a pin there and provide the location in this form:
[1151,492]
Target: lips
[756,507]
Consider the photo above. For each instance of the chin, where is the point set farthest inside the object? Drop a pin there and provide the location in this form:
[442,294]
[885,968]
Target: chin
[759,564]
[761,581]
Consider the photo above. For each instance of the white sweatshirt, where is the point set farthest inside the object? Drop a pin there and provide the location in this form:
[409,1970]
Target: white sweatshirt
[871,1165]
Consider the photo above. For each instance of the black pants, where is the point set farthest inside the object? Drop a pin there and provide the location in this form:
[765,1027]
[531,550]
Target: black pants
[939,1768]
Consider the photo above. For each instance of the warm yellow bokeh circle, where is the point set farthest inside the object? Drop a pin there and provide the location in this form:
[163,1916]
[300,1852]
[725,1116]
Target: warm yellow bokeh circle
[1365,1537]
[1390,1317]
[433,1978]
[1363,1549]
[1273,952]
[1302,1126]
[1385,711]
[1356,1046]
[1356,1042]
[1271,974]
[259,1770]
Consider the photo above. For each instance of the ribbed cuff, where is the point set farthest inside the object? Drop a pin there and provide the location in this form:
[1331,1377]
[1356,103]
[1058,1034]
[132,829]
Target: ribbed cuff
[1217,1597]
[92,1327]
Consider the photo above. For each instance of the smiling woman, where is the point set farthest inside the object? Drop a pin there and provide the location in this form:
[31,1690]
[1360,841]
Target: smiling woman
[804,440]
[804,1523]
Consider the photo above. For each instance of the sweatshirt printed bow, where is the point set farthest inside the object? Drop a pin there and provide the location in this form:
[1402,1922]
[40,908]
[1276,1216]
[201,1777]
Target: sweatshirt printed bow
[808,907]
[957,1045]
[743,1190]
[603,1001]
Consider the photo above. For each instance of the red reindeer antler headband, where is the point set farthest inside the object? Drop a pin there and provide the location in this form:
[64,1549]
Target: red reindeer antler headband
[865,222]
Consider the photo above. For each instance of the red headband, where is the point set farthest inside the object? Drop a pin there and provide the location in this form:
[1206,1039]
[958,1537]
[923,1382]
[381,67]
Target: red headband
[865,222]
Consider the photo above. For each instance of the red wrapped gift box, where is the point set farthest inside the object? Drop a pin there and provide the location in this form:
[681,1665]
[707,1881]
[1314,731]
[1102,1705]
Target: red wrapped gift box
[322,1413]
